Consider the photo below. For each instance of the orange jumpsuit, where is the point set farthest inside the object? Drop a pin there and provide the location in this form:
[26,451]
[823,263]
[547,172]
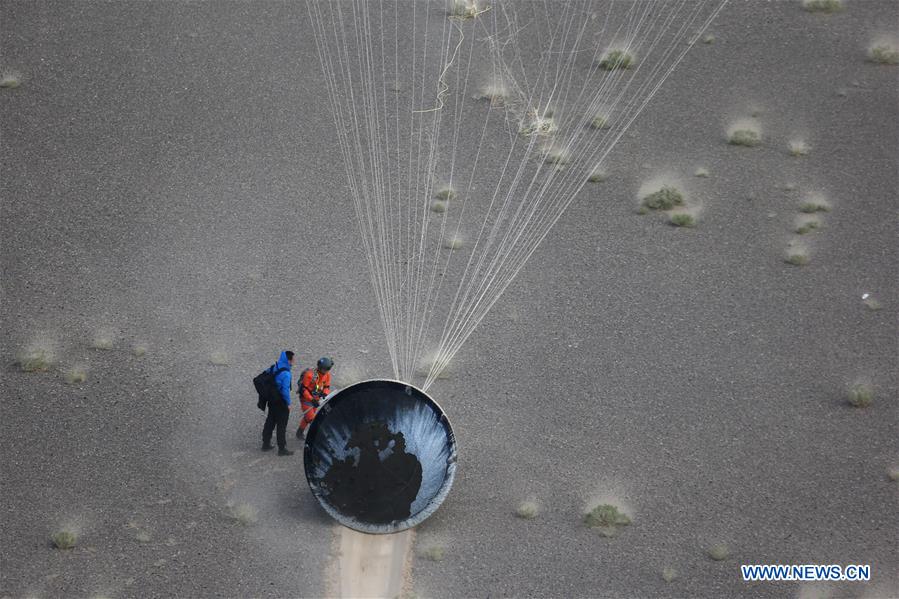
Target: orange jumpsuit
[314,386]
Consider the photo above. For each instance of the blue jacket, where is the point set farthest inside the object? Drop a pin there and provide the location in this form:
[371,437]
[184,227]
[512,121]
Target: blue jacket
[283,379]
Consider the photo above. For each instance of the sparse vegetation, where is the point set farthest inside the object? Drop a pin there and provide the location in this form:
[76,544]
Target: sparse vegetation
[789,187]
[814,205]
[445,194]
[744,137]
[527,510]
[597,176]
[883,53]
[861,395]
[600,121]
[797,258]
[669,574]
[36,359]
[682,219]
[466,9]
[823,6]
[435,553]
[143,537]
[893,473]
[76,374]
[140,350]
[453,243]
[616,59]
[665,198]
[719,552]
[218,358]
[799,148]
[537,124]
[871,302]
[808,225]
[708,39]
[244,513]
[64,539]
[494,92]
[557,156]
[607,519]
[702,172]
[9,81]
[102,340]
[438,207]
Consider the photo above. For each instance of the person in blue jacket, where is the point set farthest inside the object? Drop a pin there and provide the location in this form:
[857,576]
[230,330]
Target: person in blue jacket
[279,405]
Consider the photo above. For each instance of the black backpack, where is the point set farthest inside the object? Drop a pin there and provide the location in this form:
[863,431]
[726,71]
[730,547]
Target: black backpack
[265,386]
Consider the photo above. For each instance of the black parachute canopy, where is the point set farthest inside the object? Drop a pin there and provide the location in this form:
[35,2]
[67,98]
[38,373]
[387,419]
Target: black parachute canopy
[380,456]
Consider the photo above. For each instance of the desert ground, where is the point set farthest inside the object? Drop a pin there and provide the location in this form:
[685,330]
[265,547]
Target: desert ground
[175,212]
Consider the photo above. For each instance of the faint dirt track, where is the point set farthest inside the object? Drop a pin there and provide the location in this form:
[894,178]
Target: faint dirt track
[370,565]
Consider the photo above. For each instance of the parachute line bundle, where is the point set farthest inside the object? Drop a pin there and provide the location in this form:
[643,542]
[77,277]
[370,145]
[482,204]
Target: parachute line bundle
[466,131]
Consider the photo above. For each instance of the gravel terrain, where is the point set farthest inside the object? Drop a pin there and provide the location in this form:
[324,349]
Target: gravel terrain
[170,180]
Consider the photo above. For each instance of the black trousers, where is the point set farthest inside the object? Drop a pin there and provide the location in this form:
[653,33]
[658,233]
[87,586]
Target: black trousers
[278,415]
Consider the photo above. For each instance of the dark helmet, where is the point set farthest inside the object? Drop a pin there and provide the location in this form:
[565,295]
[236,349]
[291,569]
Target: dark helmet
[325,364]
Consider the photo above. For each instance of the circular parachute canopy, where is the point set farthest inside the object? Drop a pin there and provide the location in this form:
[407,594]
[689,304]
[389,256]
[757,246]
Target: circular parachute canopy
[380,456]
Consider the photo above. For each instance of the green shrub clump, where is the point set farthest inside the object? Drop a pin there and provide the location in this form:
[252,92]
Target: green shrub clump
[664,199]
[36,360]
[682,220]
[823,6]
[797,259]
[527,510]
[64,539]
[558,156]
[616,59]
[607,519]
[808,227]
[445,194]
[599,122]
[861,395]
[811,207]
[9,82]
[884,54]
[744,137]
[435,553]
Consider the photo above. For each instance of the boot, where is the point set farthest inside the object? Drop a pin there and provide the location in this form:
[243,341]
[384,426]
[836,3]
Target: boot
[267,447]
[284,451]
[300,433]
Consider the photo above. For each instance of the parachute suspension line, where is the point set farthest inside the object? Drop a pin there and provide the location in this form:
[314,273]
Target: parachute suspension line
[432,295]
[353,163]
[422,198]
[491,301]
[382,237]
[545,230]
[465,197]
[440,362]
[504,246]
[393,165]
[563,197]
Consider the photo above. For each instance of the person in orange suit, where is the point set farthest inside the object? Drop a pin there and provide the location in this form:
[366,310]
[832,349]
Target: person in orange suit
[315,384]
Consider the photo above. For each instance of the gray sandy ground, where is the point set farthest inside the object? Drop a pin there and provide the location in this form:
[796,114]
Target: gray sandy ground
[169,173]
